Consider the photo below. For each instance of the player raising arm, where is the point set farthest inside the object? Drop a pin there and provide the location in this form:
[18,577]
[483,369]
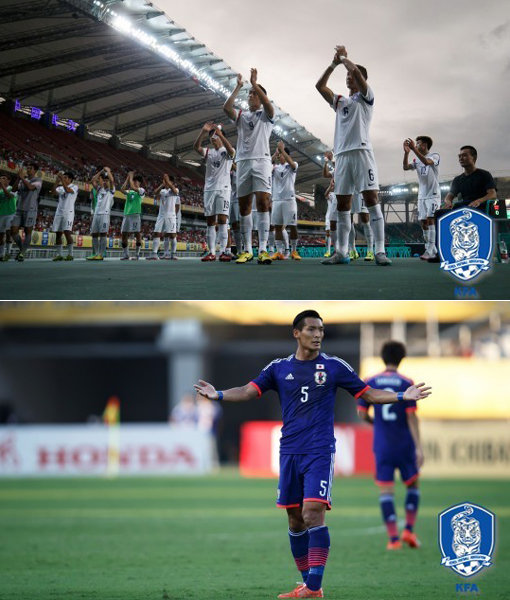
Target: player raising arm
[306,383]
[355,167]
[254,168]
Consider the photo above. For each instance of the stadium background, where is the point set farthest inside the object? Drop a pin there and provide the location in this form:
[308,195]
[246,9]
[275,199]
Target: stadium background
[157,535]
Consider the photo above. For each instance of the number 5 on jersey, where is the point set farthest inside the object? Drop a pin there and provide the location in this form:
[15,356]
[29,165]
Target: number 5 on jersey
[304,393]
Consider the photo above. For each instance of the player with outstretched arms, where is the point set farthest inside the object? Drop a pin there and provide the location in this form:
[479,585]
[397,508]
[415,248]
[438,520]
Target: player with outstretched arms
[396,446]
[426,165]
[217,188]
[103,186]
[166,222]
[306,383]
[67,192]
[253,160]
[355,167]
[284,205]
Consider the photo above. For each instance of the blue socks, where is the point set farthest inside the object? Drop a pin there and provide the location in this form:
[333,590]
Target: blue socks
[318,550]
[412,502]
[299,547]
[388,514]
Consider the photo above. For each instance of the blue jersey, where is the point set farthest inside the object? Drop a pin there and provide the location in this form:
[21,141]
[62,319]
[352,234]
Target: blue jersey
[391,430]
[307,391]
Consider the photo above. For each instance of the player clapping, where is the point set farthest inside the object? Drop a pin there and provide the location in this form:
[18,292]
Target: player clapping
[67,192]
[166,223]
[132,221]
[103,190]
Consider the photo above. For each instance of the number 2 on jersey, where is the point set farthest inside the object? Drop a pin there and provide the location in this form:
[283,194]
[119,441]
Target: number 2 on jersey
[387,414]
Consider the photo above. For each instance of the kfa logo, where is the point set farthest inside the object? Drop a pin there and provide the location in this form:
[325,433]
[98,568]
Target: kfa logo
[465,243]
[346,111]
[320,377]
[251,125]
[466,538]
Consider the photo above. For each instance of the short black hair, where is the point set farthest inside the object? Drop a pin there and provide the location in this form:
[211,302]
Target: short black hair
[363,70]
[33,164]
[70,174]
[299,320]
[426,139]
[393,352]
[263,89]
[172,178]
[287,151]
[138,178]
[472,151]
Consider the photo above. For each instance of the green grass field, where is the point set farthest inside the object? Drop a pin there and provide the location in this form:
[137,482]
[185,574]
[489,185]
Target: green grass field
[221,537]
[407,279]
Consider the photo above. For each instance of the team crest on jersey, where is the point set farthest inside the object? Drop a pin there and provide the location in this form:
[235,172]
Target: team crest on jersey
[320,377]
[465,243]
[466,538]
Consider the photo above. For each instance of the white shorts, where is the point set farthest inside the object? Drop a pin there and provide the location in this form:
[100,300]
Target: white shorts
[355,170]
[165,225]
[100,224]
[24,218]
[427,207]
[63,222]
[284,212]
[358,204]
[217,202]
[254,175]
[131,224]
[5,222]
[331,214]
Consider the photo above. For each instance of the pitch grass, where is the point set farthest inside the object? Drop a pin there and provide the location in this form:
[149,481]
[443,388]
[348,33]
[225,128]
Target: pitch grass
[220,537]
[407,279]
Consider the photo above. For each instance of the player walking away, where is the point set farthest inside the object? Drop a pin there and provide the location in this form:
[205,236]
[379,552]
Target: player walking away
[253,158]
[474,187]
[426,165]
[217,188]
[28,187]
[331,210]
[396,446]
[132,221]
[103,186]
[306,383]
[284,209]
[67,192]
[166,223]
[8,200]
[355,167]
[358,208]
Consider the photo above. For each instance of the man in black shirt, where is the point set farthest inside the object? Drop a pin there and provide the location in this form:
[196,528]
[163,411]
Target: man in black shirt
[473,188]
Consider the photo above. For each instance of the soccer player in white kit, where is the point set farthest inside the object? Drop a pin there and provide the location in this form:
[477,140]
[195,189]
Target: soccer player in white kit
[355,167]
[358,208]
[284,209]
[166,222]
[426,165]
[104,189]
[217,187]
[67,192]
[253,158]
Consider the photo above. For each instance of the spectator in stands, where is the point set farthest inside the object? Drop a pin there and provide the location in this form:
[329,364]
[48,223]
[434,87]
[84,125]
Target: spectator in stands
[28,187]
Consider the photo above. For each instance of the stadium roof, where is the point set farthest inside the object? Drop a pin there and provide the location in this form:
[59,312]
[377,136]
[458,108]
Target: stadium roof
[126,69]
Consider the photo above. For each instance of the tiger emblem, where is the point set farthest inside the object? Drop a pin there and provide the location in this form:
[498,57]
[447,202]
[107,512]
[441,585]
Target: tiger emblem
[465,237]
[466,533]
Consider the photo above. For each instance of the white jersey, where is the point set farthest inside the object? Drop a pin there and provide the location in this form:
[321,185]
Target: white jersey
[104,201]
[284,181]
[167,202]
[218,164]
[66,200]
[353,116]
[253,133]
[332,199]
[428,177]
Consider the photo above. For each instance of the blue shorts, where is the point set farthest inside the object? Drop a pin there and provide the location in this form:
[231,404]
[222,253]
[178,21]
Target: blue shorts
[305,478]
[385,466]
